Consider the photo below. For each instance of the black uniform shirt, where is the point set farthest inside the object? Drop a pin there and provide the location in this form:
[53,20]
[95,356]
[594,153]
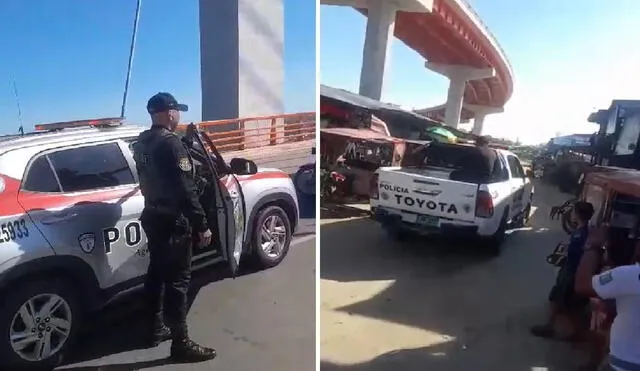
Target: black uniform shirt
[166,176]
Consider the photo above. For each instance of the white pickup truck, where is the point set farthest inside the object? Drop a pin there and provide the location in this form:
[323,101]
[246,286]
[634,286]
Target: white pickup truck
[439,196]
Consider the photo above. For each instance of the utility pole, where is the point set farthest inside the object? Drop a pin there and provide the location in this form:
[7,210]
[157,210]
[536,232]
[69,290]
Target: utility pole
[131,52]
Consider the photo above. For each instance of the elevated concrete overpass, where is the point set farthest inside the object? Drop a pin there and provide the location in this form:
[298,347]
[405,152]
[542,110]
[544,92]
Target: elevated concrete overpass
[454,42]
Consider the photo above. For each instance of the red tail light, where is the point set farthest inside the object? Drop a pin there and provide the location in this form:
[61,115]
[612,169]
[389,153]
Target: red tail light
[373,189]
[484,205]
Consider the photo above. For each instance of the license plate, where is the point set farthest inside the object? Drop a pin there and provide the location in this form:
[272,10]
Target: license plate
[428,220]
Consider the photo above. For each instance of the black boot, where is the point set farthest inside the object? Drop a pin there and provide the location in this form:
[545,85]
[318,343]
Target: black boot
[159,334]
[188,351]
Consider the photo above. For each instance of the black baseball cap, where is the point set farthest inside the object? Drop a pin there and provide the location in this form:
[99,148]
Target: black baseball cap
[163,102]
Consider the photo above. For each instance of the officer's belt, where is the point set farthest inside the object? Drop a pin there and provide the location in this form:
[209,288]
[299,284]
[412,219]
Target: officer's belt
[162,209]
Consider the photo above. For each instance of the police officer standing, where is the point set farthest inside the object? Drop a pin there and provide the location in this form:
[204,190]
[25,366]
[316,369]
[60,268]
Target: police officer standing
[172,215]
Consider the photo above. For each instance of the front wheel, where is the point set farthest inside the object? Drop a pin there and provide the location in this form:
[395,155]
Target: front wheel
[524,218]
[38,322]
[271,237]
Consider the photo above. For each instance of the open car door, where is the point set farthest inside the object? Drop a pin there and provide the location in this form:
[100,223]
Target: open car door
[229,206]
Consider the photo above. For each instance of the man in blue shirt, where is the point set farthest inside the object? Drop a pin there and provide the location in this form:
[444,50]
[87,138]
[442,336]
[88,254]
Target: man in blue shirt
[563,299]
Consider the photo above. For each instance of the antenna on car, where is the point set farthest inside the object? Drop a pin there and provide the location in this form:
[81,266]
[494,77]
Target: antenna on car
[109,122]
[15,93]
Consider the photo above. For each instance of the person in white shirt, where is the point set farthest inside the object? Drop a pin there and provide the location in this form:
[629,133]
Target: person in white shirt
[623,285]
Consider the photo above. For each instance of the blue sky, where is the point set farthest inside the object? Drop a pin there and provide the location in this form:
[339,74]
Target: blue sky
[568,60]
[69,58]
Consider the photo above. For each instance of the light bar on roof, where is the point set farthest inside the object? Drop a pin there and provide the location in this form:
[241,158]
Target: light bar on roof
[108,122]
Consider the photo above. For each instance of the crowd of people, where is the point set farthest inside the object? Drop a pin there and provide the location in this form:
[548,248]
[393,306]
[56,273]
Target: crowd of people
[599,280]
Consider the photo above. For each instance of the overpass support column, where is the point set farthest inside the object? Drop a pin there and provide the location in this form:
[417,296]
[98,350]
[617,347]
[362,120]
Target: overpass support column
[458,77]
[377,43]
[480,113]
[241,59]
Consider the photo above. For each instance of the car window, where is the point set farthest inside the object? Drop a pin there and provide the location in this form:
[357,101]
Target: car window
[500,171]
[91,167]
[516,169]
[40,177]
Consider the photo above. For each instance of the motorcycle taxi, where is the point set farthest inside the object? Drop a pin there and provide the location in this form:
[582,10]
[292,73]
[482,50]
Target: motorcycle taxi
[615,196]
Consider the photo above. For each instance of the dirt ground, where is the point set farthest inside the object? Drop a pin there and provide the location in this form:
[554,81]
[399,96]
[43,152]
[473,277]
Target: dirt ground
[437,305]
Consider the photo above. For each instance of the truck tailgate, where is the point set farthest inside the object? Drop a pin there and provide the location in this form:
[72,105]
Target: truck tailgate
[427,192]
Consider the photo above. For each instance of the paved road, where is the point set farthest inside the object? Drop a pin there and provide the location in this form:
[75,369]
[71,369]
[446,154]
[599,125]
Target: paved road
[260,321]
[387,306]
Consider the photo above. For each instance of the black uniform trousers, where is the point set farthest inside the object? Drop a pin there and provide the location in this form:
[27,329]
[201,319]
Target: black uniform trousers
[169,272]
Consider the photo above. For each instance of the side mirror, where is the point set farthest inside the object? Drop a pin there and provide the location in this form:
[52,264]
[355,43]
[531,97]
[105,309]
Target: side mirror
[529,173]
[313,150]
[242,166]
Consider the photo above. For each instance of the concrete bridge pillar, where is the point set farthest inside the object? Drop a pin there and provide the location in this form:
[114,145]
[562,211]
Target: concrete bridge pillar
[480,113]
[381,17]
[458,77]
[377,43]
[241,58]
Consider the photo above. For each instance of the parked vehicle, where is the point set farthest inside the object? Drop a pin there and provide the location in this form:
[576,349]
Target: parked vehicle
[305,178]
[435,198]
[70,236]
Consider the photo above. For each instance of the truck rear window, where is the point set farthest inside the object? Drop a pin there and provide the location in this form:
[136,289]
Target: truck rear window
[467,163]
[453,157]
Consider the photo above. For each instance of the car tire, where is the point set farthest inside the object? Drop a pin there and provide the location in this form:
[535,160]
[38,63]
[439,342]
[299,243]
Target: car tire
[39,294]
[524,219]
[493,244]
[282,233]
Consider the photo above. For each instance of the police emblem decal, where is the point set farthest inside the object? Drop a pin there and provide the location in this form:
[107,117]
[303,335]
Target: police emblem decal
[184,164]
[87,242]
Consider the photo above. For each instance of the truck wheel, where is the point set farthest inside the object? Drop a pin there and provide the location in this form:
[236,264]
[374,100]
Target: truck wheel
[38,322]
[494,243]
[523,220]
[271,237]
[526,217]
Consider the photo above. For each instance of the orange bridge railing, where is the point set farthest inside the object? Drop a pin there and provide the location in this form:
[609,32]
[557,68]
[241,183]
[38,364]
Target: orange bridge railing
[282,141]
[255,132]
